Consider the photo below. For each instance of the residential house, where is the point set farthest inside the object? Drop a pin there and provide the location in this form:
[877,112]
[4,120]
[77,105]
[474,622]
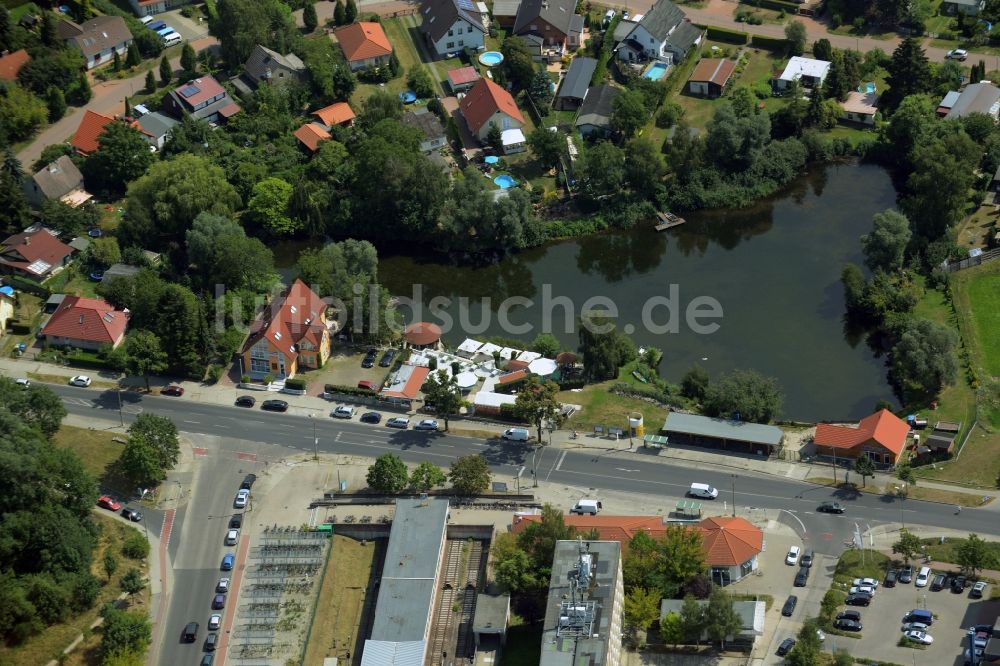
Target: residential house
[488,104]
[553,22]
[11,64]
[860,107]
[364,45]
[623,29]
[664,34]
[983,97]
[505,12]
[156,128]
[7,302]
[59,180]
[121,270]
[204,99]
[338,113]
[290,332]
[711,76]
[91,127]
[152,7]
[751,613]
[462,78]
[98,39]
[594,117]
[575,84]
[880,436]
[946,104]
[430,127]
[967,7]
[86,323]
[35,254]
[451,25]
[310,135]
[809,72]
[265,66]
[513,141]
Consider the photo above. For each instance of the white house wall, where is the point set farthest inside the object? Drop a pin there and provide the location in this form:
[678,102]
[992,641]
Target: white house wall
[469,37]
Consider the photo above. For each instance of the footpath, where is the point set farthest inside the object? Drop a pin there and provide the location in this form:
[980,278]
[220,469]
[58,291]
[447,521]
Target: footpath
[225,393]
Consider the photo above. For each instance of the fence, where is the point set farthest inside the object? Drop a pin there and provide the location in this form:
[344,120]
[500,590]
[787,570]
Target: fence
[970,262]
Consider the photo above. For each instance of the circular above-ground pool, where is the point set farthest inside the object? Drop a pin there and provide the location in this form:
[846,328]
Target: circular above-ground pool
[491,58]
[408,97]
[505,182]
[491,159]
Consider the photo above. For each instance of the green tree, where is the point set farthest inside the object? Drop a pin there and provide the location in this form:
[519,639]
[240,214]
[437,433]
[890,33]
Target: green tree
[512,567]
[692,619]
[143,355]
[645,168]
[55,101]
[35,407]
[721,620]
[864,467]
[339,15]
[23,113]
[123,633]
[904,472]
[470,475]
[494,137]
[104,251]
[974,554]
[628,113]
[309,18]
[843,658]
[822,50]
[16,215]
[681,558]
[122,156]
[110,564]
[807,647]
[140,464]
[426,476]
[48,30]
[540,88]
[795,33]
[909,73]
[694,383]
[518,62]
[161,434]
[546,344]
[442,391]
[268,206]
[536,404]
[135,547]
[132,582]
[640,610]
[746,393]
[937,189]
[116,64]
[546,145]
[243,24]
[885,246]
[923,358]
[908,545]
[166,71]
[150,82]
[604,349]
[350,11]
[189,59]
[639,562]
[132,57]
[387,474]
[420,81]
[672,629]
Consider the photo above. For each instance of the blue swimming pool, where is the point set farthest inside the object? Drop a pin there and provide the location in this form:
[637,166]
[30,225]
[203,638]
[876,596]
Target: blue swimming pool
[656,71]
[491,58]
[505,182]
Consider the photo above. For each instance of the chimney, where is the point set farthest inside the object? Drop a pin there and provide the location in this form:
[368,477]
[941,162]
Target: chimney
[81,320]
[27,240]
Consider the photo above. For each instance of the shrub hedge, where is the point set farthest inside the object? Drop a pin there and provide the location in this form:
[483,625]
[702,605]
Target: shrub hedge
[296,384]
[777,5]
[769,43]
[726,35]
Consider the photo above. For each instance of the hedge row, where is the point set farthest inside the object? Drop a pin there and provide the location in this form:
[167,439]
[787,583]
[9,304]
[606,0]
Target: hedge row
[769,43]
[777,5]
[346,390]
[295,384]
[726,35]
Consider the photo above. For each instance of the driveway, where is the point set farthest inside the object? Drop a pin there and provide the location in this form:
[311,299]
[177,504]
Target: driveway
[469,142]
[190,30]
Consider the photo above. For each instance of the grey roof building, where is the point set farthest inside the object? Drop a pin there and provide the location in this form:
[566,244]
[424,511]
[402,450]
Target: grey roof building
[557,13]
[575,83]
[57,180]
[157,127]
[270,67]
[623,29]
[583,616]
[97,38]
[664,33]
[409,584]
[459,19]
[433,131]
[751,617]
[121,270]
[505,11]
[976,98]
[595,112]
[731,435]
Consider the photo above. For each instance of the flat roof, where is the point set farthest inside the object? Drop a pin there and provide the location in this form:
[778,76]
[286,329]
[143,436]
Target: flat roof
[798,67]
[492,613]
[737,431]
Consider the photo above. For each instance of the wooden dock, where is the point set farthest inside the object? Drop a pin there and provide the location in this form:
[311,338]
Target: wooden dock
[667,221]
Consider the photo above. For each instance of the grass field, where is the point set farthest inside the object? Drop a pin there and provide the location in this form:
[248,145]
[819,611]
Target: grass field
[341,603]
[50,643]
[96,448]
[947,551]
[912,492]
[984,297]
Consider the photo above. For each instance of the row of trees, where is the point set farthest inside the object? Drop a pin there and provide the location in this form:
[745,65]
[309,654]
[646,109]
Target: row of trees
[972,554]
[469,475]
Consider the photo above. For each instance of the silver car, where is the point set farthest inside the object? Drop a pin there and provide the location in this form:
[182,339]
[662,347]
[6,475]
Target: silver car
[398,422]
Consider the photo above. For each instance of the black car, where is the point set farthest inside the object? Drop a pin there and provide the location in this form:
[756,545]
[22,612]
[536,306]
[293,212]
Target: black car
[785,647]
[847,625]
[190,634]
[274,405]
[248,481]
[858,600]
[207,659]
[369,361]
[219,602]
[939,582]
[371,417]
[807,558]
[958,584]
[789,606]
[890,578]
[387,358]
[905,574]
[236,522]
[831,507]
[849,615]
[801,577]
[246,401]
[132,515]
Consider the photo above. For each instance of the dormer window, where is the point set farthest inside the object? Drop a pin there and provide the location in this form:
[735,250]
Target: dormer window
[293,309]
[277,335]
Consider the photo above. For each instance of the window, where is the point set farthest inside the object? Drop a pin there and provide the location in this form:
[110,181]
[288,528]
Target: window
[259,350]
[461,42]
[451,33]
[259,365]
[450,45]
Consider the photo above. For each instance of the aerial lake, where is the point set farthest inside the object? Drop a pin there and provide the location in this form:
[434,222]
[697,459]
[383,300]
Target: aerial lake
[774,270]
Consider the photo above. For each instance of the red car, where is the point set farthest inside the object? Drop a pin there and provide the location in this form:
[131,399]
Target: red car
[108,503]
[173,389]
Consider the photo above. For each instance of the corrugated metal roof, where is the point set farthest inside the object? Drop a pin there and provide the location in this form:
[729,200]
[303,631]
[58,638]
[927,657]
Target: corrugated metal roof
[389,653]
[692,424]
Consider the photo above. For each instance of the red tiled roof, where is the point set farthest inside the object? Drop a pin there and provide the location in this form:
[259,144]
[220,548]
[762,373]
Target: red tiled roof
[335,114]
[21,250]
[713,70]
[422,333]
[310,136]
[883,427]
[462,75]
[201,90]
[483,100]
[364,40]
[12,63]
[516,365]
[91,127]
[89,319]
[730,541]
[517,375]
[293,316]
[230,110]
[609,528]
[412,388]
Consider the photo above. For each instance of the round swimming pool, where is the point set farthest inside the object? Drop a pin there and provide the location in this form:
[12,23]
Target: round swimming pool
[408,97]
[505,182]
[491,58]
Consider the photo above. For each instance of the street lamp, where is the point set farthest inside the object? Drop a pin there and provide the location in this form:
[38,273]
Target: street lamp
[315,438]
[733,480]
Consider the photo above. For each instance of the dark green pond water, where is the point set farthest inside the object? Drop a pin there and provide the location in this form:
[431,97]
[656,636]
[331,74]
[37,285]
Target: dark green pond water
[774,269]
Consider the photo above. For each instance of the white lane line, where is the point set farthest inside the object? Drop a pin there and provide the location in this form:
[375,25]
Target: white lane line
[561,458]
[194,422]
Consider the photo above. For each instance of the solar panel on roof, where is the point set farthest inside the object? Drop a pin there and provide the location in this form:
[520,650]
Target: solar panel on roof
[188,91]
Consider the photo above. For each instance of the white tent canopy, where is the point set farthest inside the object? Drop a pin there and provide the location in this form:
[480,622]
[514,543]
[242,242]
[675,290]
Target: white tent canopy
[542,367]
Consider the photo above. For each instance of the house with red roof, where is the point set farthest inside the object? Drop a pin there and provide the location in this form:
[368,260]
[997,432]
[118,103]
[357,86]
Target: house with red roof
[310,135]
[338,113]
[461,79]
[405,383]
[86,323]
[34,254]
[880,436]
[88,132]
[487,104]
[364,45]
[711,76]
[11,64]
[291,331]
[204,99]
[422,335]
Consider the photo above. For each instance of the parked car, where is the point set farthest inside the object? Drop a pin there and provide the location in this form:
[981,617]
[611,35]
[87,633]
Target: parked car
[387,358]
[869,582]
[862,589]
[426,424]
[207,659]
[232,536]
[80,380]
[979,639]
[789,606]
[371,417]
[105,502]
[173,389]
[831,507]
[906,574]
[919,637]
[958,584]
[219,602]
[939,582]
[957,54]
[846,624]
[398,422]
[858,600]
[214,621]
[369,360]
[802,577]
[222,586]
[227,562]
[977,590]
[915,626]
[23,382]
[248,481]
[236,522]
[793,555]
[785,647]
[211,641]
[367,385]
[246,401]
[890,578]
[241,499]
[849,615]
[132,515]
[342,412]
[807,558]
[274,405]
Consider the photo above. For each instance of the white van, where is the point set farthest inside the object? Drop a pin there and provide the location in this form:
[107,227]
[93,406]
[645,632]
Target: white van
[586,506]
[922,577]
[146,20]
[516,434]
[170,39]
[608,17]
[703,490]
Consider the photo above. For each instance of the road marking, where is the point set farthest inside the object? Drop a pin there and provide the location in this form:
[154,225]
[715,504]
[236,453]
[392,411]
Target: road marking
[199,451]
[561,458]
[623,469]
[392,448]
[194,422]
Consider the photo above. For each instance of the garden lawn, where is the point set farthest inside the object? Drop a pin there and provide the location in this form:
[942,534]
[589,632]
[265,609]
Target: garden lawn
[984,299]
[600,407]
[948,551]
[96,448]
